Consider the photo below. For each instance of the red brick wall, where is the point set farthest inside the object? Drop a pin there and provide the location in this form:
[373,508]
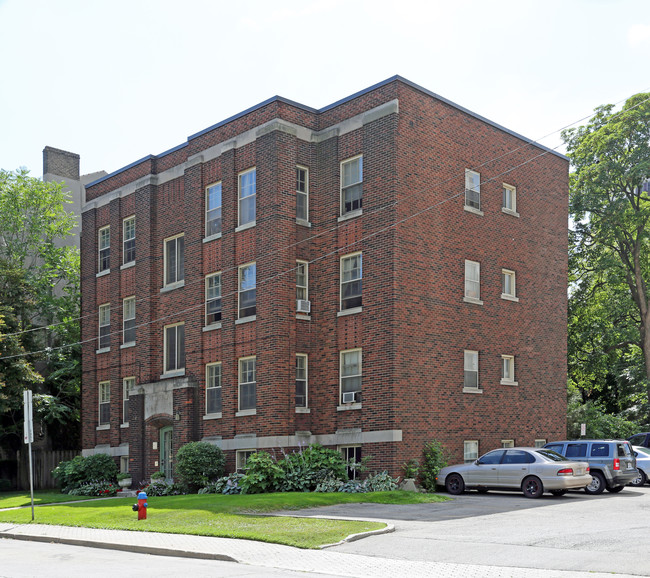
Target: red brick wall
[414,325]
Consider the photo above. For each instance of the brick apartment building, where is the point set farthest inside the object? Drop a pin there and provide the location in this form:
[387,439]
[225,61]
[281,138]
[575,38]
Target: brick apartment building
[385,271]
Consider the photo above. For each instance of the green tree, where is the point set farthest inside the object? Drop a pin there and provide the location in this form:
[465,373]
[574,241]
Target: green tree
[39,301]
[609,316]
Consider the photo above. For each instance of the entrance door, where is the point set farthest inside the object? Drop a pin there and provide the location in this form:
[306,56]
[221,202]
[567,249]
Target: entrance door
[166,451]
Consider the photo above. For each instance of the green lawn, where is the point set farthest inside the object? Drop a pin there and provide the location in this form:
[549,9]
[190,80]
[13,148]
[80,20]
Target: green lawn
[223,516]
[16,499]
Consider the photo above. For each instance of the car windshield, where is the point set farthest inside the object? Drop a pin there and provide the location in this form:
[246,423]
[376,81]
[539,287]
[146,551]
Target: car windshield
[643,450]
[551,455]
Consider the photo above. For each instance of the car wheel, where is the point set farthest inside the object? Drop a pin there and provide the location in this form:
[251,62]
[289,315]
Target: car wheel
[597,485]
[455,484]
[640,479]
[615,489]
[559,492]
[532,487]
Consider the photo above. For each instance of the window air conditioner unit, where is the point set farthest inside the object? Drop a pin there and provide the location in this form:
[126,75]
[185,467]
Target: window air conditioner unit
[348,397]
[303,306]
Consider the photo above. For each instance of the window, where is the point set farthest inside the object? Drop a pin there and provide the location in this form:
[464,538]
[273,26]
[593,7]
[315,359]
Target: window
[598,450]
[213,299]
[124,464]
[351,281]
[174,260]
[350,372]
[301,380]
[493,457]
[105,326]
[128,240]
[352,458]
[247,198]
[471,369]
[472,189]
[174,348]
[507,443]
[576,451]
[104,249]
[104,402]
[509,198]
[242,458]
[247,383]
[540,443]
[472,280]
[128,332]
[508,287]
[302,194]
[213,210]
[302,280]
[213,388]
[128,383]
[518,457]
[470,451]
[508,369]
[247,290]
[351,185]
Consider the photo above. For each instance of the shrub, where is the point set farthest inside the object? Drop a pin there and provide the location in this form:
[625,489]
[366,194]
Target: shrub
[84,470]
[198,463]
[101,488]
[162,488]
[263,474]
[435,458]
[306,468]
[411,469]
[5,485]
[381,482]
[158,476]
[226,485]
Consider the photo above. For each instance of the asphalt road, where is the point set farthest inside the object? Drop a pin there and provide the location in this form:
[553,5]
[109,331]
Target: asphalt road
[575,532]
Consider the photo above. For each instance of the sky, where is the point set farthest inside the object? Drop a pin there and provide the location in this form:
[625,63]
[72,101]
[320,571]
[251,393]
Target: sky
[115,81]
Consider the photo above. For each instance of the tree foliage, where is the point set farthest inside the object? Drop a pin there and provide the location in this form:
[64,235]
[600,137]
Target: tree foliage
[39,309]
[609,309]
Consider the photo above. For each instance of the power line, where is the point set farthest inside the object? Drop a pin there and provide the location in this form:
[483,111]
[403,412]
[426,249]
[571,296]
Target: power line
[392,204]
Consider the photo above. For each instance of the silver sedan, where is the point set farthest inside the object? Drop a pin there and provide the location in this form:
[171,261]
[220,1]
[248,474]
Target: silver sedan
[642,465]
[530,470]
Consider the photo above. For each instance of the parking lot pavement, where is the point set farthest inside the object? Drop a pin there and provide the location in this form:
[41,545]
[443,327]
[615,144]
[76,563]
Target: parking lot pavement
[575,532]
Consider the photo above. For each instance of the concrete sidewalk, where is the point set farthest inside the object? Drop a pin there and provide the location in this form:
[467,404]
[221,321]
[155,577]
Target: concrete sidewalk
[268,555]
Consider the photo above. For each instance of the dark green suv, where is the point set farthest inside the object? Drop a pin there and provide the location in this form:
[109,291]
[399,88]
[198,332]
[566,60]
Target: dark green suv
[612,464]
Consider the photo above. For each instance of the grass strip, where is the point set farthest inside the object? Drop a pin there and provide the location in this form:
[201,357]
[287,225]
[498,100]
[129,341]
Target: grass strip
[222,516]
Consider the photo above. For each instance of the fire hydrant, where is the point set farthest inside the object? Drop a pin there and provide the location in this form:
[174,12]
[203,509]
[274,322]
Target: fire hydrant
[141,506]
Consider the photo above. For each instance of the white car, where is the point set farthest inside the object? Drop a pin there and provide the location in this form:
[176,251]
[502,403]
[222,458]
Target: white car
[530,470]
[642,464]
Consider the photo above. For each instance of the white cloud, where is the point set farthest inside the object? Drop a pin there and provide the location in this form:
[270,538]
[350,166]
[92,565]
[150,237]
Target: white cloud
[638,34]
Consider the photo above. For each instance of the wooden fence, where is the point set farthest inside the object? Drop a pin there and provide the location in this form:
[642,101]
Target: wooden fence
[44,461]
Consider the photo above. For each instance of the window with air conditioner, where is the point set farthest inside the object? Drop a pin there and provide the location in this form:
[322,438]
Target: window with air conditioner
[350,376]
[302,287]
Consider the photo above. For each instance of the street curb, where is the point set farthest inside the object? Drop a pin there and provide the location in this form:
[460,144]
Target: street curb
[117,546]
[354,537]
